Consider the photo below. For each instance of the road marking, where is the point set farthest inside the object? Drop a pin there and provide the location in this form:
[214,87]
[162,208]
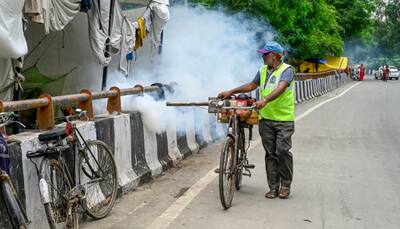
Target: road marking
[309,111]
[174,210]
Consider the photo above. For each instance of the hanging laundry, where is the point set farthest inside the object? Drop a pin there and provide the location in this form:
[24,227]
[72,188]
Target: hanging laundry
[54,14]
[147,16]
[141,33]
[12,39]
[128,38]
[33,10]
[86,5]
[98,22]
[57,14]
[161,16]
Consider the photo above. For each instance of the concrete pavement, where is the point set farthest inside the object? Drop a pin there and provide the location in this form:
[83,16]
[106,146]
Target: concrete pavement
[346,174]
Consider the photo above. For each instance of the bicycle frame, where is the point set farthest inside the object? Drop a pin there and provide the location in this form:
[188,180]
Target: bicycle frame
[81,144]
[15,209]
[234,132]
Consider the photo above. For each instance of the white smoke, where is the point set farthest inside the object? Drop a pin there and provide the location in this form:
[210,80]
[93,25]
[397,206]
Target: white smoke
[205,52]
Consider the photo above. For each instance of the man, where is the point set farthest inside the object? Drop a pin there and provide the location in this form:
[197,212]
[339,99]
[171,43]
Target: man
[276,127]
[386,73]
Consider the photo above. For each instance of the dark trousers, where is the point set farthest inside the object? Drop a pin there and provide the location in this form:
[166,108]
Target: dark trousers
[276,138]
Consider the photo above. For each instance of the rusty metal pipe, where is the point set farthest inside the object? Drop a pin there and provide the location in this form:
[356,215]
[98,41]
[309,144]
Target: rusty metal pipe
[104,94]
[133,91]
[68,99]
[23,105]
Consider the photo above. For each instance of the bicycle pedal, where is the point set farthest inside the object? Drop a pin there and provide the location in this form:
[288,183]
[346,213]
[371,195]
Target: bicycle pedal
[216,170]
[249,166]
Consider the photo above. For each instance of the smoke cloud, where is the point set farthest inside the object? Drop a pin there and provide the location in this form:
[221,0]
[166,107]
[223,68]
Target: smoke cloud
[205,52]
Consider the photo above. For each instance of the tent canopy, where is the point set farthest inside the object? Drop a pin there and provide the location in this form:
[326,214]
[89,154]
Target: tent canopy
[326,64]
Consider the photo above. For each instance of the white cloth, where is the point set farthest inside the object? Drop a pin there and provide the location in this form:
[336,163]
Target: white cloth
[160,18]
[12,44]
[165,2]
[98,20]
[33,10]
[6,80]
[10,79]
[12,39]
[147,19]
[127,45]
[55,14]
[58,13]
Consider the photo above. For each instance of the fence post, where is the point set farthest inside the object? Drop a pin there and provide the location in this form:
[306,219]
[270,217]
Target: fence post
[45,115]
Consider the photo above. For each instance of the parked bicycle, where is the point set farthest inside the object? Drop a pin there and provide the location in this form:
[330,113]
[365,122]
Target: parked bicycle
[15,210]
[239,113]
[88,184]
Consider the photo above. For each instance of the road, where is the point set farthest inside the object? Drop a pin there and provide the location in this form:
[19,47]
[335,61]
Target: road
[346,174]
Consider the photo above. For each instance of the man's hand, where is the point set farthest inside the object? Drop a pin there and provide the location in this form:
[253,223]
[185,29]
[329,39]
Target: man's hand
[260,104]
[224,94]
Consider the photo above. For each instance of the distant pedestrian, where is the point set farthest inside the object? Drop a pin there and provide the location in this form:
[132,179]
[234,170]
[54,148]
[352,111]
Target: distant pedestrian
[362,72]
[386,73]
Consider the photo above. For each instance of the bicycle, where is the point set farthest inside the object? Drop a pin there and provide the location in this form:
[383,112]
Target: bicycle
[15,210]
[94,188]
[234,163]
[239,112]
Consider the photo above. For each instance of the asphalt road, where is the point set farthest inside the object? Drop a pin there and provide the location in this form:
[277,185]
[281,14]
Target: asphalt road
[346,175]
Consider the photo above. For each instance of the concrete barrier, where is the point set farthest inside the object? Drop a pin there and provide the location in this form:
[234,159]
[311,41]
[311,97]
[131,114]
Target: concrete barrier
[139,152]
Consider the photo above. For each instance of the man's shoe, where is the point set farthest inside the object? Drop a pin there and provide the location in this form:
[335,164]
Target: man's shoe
[272,194]
[284,192]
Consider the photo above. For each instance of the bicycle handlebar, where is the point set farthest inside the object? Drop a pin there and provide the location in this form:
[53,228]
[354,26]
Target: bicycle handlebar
[80,113]
[6,119]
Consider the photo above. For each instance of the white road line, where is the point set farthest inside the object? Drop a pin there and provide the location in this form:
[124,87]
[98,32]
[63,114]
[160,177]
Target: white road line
[175,209]
[325,102]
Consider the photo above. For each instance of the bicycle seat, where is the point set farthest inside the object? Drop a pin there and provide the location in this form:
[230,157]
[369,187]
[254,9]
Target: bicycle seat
[56,134]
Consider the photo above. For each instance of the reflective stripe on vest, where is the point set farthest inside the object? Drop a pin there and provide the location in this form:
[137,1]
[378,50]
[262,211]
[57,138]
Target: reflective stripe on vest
[282,108]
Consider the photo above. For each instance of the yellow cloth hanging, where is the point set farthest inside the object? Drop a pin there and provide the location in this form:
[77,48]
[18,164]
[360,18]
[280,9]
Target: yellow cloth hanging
[141,33]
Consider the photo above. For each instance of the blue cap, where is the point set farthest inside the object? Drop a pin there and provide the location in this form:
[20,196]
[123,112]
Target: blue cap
[271,46]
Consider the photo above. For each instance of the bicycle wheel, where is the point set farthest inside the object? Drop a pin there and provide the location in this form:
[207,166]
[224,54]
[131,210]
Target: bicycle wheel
[15,210]
[227,169]
[99,175]
[58,186]
[240,156]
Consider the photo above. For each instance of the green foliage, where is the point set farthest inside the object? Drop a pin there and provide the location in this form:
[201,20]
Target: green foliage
[355,17]
[315,28]
[387,28]
[309,27]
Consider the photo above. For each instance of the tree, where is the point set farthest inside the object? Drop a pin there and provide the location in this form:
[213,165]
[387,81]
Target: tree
[309,27]
[387,28]
[355,17]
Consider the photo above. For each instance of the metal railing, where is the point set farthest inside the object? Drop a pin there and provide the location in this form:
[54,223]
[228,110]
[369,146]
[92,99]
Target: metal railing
[45,103]
[316,75]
